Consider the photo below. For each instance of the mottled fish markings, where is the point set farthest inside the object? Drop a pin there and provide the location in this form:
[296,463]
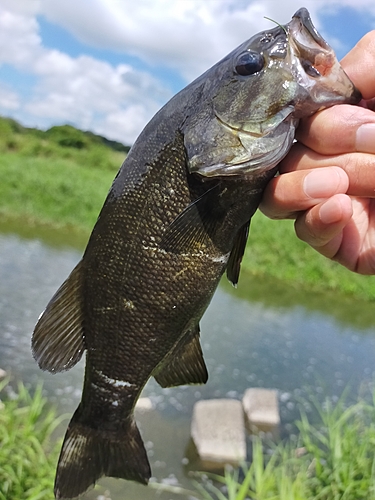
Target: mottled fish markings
[176,218]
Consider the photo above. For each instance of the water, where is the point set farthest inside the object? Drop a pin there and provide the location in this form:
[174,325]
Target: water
[299,344]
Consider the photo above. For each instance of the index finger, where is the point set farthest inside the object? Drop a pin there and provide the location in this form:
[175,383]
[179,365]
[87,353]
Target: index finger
[359,65]
[338,130]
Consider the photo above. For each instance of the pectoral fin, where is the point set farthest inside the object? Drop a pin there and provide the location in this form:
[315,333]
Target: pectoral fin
[58,340]
[192,229]
[185,364]
[235,257]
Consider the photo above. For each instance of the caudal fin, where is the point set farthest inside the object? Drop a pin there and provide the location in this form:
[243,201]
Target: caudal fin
[87,454]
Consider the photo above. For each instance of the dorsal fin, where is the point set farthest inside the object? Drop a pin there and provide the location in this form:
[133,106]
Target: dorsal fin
[58,341]
[185,364]
[235,257]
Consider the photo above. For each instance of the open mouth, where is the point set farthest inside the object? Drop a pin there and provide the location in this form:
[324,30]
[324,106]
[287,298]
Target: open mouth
[312,54]
[316,56]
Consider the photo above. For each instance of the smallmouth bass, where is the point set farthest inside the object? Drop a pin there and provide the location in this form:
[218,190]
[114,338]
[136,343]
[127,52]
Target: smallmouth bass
[176,218]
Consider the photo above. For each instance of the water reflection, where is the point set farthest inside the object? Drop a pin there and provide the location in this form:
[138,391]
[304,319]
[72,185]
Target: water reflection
[274,340]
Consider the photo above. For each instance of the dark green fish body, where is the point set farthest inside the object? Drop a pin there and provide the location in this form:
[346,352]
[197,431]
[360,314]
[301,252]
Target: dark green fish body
[176,218]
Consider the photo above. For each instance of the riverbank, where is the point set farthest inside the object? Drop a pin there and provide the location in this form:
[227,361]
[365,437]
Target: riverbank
[274,251]
[60,178]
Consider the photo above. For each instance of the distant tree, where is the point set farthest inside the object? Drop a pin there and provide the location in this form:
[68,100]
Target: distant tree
[68,136]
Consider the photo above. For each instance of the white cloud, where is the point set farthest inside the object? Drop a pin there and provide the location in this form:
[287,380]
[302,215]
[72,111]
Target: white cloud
[89,93]
[84,91]
[189,35]
[19,39]
[9,100]
[117,101]
[124,121]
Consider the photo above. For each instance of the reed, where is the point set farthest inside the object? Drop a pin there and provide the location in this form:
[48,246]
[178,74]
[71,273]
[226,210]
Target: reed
[28,455]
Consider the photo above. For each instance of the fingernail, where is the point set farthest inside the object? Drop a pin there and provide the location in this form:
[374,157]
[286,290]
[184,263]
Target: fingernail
[365,139]
[330,212]
[324,182]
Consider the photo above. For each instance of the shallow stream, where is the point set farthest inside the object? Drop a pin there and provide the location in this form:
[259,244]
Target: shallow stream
[260,335]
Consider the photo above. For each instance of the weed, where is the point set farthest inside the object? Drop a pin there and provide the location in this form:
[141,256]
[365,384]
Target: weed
[332,460]
[27,457]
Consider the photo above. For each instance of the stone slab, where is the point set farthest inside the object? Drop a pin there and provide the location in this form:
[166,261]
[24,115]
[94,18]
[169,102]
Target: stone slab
[261,407]
[218,431]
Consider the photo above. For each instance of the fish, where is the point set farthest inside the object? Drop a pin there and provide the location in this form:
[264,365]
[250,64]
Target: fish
[176,218]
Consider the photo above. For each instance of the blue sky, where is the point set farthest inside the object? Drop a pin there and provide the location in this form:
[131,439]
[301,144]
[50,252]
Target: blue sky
[109,65]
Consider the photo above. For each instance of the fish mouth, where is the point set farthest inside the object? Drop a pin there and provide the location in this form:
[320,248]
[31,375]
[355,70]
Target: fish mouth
[311,47]
[301,22]
[311,53]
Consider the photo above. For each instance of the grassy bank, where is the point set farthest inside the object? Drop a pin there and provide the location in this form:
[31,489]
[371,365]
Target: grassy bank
[274,250]
[60,178]
[57,178]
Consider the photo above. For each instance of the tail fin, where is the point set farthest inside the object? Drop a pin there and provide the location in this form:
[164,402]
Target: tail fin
[87,454]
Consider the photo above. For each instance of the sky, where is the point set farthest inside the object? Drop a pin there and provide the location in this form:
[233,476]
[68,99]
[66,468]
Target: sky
[109,65]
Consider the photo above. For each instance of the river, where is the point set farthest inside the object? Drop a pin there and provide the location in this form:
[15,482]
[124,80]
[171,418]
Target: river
[260,335]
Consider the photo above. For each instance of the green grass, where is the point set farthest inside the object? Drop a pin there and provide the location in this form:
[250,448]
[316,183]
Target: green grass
[27,455]
[58,193]
[330,459]
[274,250]
[60,178]
[333,459]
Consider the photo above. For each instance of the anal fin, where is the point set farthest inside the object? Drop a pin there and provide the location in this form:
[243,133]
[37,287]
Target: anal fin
[185,364]
[58,340]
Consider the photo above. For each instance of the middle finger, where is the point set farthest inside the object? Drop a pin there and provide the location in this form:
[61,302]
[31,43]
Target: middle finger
[360,167]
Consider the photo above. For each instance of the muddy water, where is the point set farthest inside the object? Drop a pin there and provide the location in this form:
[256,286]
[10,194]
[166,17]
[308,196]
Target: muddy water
[261,335]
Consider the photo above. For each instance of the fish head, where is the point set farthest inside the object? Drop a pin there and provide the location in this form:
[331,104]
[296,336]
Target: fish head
[252,99]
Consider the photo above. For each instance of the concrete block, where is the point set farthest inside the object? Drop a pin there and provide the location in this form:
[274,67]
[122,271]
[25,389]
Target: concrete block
[261,408]
[218,431]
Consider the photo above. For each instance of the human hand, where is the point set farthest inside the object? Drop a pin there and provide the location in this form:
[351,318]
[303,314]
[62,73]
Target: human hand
[327,181]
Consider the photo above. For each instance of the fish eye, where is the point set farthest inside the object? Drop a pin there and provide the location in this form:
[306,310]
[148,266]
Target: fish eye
[310,69]
[249,63]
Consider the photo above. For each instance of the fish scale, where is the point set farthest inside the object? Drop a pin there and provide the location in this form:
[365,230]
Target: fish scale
[141,267]
[176,218]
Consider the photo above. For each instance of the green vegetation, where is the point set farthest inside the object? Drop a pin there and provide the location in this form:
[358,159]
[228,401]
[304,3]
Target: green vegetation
[57,178]
[60,178]
[54,192]
[273,250]
[27,457]
[331,460]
